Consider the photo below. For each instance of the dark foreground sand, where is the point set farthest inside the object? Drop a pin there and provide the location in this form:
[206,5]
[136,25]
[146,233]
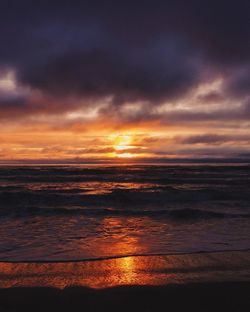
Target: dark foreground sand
[200,282]
[194,297]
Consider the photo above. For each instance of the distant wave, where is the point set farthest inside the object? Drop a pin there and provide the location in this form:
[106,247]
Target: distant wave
[177,214]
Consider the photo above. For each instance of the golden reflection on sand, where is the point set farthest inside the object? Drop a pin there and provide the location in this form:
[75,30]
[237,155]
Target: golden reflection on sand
[143,270]
[127,265]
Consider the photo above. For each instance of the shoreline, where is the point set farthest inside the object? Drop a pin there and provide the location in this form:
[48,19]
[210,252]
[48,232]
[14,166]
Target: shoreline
[196,282]
[130,270]
[124,256]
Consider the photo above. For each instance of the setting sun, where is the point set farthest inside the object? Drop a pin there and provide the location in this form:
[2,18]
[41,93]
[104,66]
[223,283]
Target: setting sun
[124,155]
[126,146]
[122,145]
[122,142]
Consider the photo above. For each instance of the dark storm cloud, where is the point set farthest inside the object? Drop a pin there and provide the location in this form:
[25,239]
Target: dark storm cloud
[214,139]
[100,73]
[210,152]
[131,51]
[12,101]
[146,113]
[205,138]
[211,97]
[238,113]
[238,84]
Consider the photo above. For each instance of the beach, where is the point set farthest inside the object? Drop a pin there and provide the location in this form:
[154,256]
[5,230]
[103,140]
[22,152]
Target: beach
[201,282]
[194,297]
[135,238]
[125,156]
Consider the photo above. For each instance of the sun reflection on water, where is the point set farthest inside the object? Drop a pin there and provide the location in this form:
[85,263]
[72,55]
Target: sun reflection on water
[156,270]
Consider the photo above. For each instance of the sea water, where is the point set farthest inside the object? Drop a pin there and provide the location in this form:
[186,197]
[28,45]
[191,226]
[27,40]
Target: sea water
[88,212]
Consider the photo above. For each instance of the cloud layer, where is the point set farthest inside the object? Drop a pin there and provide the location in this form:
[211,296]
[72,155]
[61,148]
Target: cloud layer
[75,65]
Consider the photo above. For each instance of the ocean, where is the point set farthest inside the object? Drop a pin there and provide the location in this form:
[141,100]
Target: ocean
[66,212]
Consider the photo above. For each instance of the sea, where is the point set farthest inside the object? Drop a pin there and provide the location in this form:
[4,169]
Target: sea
[77,212]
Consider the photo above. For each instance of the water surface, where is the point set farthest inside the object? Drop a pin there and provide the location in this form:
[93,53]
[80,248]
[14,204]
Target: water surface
[79,212]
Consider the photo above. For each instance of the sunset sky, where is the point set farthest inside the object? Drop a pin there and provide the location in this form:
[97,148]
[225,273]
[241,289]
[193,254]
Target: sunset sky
[88,81]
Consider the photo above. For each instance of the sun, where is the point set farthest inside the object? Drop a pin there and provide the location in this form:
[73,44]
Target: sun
[122,142]
[122,145]
[125,146]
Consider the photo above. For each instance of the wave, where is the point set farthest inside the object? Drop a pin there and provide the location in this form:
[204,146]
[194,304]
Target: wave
[164,174]
[186,214]
[157,196]
[93,259]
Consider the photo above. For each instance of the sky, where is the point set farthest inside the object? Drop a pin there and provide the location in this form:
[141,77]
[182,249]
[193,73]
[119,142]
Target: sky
[92,81]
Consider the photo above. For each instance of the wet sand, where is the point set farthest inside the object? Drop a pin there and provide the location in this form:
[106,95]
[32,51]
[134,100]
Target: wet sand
[201,282]
[135,270]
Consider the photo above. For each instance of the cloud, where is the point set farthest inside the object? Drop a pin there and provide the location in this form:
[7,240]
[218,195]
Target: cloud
[85,66]
[238,83]
[211,97]
[152,53]
[214,139]
[203,139]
